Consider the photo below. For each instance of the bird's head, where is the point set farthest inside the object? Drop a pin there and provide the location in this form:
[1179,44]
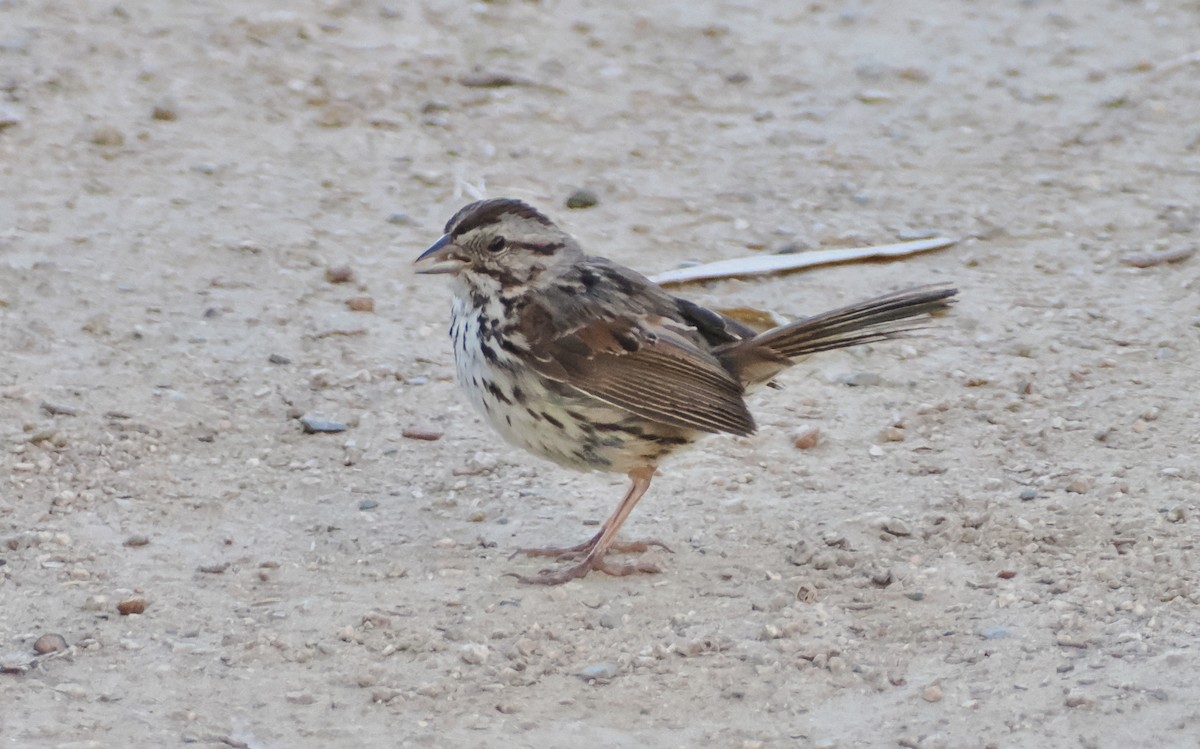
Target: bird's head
[498,244]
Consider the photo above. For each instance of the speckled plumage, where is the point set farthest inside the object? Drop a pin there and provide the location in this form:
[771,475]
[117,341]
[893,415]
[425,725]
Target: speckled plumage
[590,364]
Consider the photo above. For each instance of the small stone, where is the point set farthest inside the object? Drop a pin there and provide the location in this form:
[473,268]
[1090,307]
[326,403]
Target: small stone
[806,437]
[15,663]
[50,643]
[1006,574]
[995,633]
[1077,700]
[278,359]
[896,527]
[316,425]
[770,632]
[368,504]
[860,379]
[1176,514]
[299,698]
[1027,494]
[399,218]
[874,96]
[932,693]
[339,274]
[599,671]
[428,434]
[165,109]
[361,304]
[474,653]
[892,434]
[882,578]
[136,541]
[216,568]
[135,605]
[59,409]
[1081,485]
[908,235]
[9,118]
[915,595]
[582,199]
[610,620]
[107,136]
[96,603]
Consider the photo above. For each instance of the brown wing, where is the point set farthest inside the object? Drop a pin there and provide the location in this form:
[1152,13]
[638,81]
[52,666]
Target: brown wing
[634,351]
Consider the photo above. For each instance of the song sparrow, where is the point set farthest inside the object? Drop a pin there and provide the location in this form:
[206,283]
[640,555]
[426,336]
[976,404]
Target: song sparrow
[590,364]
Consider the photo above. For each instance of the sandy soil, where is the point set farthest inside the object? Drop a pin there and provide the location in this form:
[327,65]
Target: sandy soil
[994,543]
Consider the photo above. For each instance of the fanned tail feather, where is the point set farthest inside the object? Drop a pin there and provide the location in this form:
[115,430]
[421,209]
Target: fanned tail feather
[878,319]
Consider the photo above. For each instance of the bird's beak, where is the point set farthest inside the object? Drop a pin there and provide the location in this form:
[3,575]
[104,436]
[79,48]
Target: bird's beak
[443,257]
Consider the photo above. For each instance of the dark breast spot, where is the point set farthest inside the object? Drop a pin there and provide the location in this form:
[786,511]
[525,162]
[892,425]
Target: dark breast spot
[498,394]
[552,420]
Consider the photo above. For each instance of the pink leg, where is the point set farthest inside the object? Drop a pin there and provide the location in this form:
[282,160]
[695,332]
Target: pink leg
[594,550]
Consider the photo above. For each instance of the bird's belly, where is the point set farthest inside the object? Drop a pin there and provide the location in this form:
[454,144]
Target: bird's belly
[554,420]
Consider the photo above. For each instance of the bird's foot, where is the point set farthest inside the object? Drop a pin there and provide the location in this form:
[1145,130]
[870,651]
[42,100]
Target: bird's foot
[578,551]
[589,563]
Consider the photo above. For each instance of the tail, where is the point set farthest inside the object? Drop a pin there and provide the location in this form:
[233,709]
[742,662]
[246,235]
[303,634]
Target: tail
[877,319]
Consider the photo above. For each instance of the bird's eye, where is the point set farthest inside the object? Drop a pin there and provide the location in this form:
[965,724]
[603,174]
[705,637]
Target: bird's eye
[497,244]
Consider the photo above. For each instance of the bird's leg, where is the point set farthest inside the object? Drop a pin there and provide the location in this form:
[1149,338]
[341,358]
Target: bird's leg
[594,550]
[568,553]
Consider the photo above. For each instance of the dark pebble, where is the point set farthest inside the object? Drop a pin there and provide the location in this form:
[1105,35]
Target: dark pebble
[278,359]
[368,504]
[582,199]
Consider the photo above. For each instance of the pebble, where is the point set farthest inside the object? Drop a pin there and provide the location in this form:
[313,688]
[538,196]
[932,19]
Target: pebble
[932,693]
[59,409]
[892,434]
[135,605]
[136,540]
[368,504]
[582,199]
[1028,494]
[165,109]
[995,633]
[860,379]
[896,527]
[806,437]
[429,434]
[361,304]
[474,653]
[315,425]
[15,663]
[278,359]
[1081,485]
[50,643]
[339,274]
[299,698]
[8,118]
[399,218]
[1176,514]
[610,620]
[108,136]
[909,235]
[598,671]
[882,578]
[96,603]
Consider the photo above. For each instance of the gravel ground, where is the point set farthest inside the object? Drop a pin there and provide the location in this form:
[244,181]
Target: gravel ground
[208,216]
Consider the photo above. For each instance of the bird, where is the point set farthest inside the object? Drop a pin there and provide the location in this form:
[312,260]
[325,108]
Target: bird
[581,360]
